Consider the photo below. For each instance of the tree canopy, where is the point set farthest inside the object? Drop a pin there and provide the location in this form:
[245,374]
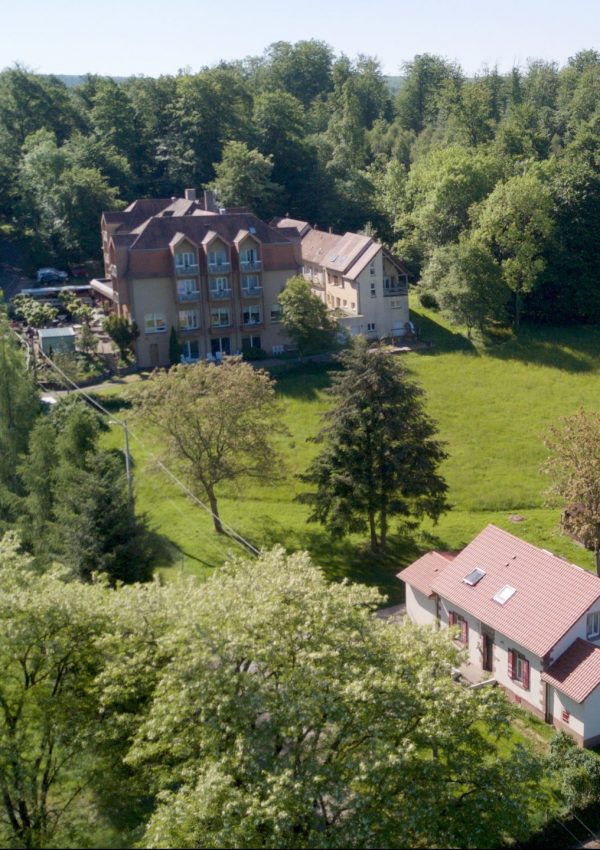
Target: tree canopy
[380,456]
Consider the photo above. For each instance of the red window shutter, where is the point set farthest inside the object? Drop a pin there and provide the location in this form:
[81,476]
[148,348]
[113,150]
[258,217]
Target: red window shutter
[451,618]
[464,629]
[511,663]
[526,675]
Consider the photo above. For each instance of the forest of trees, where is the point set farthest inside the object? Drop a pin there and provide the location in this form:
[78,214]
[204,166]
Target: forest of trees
[488,187]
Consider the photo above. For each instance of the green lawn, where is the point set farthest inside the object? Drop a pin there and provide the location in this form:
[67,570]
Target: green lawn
[492,406]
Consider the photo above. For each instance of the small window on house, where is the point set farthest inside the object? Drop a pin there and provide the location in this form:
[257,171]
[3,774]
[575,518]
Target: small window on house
[593,625]
[373,289]
[474,576]
[455,619]
[518,668]
[566,716]
[505,594]
[155,323]
[371,326]
[372,268]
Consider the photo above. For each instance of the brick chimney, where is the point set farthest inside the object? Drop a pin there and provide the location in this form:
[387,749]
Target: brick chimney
[210,204]
[190,194]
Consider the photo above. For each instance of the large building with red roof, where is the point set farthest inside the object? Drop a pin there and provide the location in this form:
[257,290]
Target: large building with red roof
[214,275]
[527,619]
[361,282]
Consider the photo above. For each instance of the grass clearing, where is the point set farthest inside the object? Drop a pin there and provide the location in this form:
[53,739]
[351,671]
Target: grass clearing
[492,405]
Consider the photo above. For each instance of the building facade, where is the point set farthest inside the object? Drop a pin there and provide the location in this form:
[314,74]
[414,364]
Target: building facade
[527,620]
[214,275]
[359,280]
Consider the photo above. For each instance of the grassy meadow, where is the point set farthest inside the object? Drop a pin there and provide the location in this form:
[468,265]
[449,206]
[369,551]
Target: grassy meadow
[492,405]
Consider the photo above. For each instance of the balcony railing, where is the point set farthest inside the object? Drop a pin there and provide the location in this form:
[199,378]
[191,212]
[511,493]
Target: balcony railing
[252,322]
[251,291]
[189,296]
[214,326]
[220,294]
[400,289]
[223,266]
[251,265]
[189,269]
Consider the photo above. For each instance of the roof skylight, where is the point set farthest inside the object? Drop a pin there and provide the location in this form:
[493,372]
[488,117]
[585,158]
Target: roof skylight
[474,576]
[505,594]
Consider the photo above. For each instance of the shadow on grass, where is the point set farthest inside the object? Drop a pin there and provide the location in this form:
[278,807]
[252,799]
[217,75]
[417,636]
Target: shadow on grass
[441,337]
[304,380]
[346,559]
[112,403]
[570,349]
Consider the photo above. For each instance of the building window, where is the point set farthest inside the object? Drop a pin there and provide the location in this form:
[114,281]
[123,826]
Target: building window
[455,619]
[219,318]
[190,351]
[251,315]
[338,302]
[217,259]
[518,668]
[219,287]
[371,327]
[353,305]
[373,289]
[250,283]
[566,716]
[186,260]
[276,313]
[155,323]
[395,303]
[188,320]
[220,346]
[187,289]
[593,625]
[250,342]
[372,269]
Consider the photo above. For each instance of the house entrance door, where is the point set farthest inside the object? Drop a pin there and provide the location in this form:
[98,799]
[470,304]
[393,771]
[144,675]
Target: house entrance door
[488,652]
[549,713]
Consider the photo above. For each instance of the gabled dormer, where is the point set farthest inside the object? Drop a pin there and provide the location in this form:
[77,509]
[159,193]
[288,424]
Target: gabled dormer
[249,251]
[218,253]
[185,255]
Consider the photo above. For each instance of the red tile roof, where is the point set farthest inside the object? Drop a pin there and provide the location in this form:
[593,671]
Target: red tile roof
[577,672]
[551,594]
[421,573]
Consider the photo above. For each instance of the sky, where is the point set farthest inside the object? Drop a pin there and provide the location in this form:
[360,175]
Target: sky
[153,37]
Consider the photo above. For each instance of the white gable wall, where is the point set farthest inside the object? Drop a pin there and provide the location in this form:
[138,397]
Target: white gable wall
[420,608]
[579,630]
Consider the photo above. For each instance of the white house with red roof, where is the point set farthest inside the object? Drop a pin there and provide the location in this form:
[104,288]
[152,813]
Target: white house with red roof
[528,619]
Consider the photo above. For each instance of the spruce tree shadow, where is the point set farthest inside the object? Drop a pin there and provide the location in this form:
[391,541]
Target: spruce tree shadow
[304,381]
[346,558]
[569,349]
[441,338]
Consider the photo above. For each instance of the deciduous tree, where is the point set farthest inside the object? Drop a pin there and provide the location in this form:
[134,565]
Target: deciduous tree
[218,423]
[574,468]
[306,318]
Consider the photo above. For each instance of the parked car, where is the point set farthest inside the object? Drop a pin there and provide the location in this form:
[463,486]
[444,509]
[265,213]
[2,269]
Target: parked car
[49,275]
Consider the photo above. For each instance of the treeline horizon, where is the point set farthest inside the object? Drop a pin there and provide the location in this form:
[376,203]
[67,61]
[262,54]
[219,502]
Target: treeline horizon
[300,130]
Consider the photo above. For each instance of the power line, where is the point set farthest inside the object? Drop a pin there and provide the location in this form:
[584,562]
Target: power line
[238,538]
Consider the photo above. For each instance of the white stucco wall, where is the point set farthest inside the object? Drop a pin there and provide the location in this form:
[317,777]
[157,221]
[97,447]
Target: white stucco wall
[579,630]
[591,708]
[420,608]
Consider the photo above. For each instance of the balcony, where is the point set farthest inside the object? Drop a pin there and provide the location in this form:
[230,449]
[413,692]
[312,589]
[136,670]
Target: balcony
[398,289]
[251,265]
[189,296]
[220,326]
[251,291]
[216,268]
[190,268]
[220,294]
